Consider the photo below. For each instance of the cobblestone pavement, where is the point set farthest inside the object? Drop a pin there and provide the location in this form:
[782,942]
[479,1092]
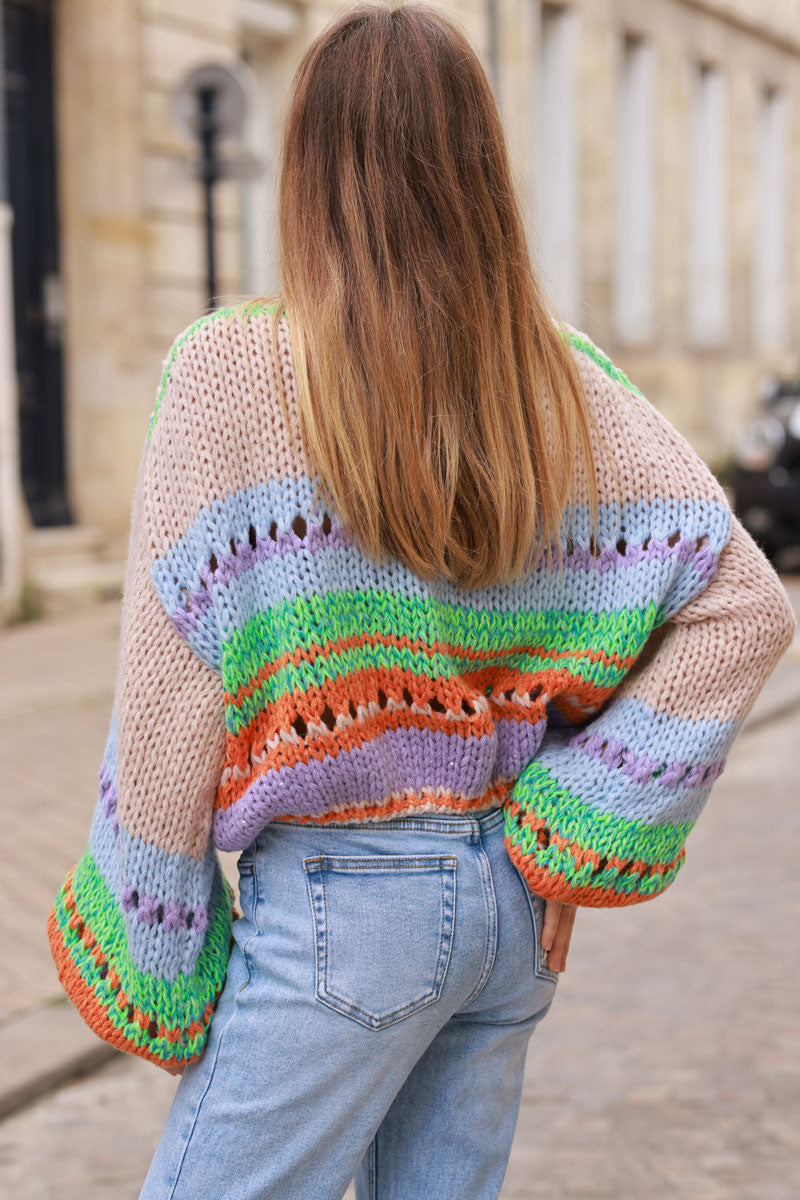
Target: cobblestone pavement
[669,1068]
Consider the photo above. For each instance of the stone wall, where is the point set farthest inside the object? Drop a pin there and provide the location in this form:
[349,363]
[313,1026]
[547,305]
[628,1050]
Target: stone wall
[132,222]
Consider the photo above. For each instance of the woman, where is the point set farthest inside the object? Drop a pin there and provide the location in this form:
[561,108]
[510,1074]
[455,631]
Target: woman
[432,616]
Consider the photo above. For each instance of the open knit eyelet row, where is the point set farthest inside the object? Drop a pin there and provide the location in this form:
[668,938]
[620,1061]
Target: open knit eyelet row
[513,695]
[622,545]
[467,708]
[624,868]
[328,718]
[693,773]
[154,913]
[299,527]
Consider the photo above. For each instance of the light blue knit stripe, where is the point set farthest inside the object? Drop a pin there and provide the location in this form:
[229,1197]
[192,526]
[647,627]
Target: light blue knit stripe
[659,735]
[282,500]
[610,790]
[173,876]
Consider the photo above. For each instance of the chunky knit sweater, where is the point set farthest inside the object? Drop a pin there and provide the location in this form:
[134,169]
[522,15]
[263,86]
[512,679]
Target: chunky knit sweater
[268,669]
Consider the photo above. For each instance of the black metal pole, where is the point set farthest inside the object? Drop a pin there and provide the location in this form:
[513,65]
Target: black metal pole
[209,174]
[3,163]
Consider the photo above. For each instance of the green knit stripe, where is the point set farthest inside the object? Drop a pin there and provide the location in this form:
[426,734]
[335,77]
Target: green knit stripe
[173,1006]
[564,817]
[582,343]
[252,309]
[572,641]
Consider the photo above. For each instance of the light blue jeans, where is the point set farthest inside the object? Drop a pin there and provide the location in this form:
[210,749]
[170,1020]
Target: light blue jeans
[382,989]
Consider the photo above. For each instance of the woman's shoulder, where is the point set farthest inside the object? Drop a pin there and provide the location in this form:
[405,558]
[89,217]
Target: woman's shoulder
[207,357]
[594,364]
[653,458]
[225,423]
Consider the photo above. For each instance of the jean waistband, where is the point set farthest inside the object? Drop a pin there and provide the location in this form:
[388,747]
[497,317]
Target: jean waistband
[443,822]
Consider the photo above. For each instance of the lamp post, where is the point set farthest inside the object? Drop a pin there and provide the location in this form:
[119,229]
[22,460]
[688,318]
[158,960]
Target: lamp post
[209,106]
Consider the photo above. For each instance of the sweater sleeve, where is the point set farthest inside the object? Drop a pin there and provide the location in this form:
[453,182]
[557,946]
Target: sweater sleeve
[140,930]
[601,816]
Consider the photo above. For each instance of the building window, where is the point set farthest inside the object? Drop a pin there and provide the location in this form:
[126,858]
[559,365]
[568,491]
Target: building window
[266,28]
[769,263]
[635,247]
[260,275]
[556,158]
[708,209]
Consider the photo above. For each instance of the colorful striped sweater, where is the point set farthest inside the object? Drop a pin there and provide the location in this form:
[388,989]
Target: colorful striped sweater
[269,670]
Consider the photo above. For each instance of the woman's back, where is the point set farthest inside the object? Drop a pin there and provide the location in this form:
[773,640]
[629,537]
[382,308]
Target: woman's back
[356,690]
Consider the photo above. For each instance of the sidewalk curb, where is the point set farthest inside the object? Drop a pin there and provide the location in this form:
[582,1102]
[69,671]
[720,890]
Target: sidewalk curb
[43,1049]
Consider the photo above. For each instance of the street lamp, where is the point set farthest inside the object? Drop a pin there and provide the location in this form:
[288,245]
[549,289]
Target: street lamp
[209,106]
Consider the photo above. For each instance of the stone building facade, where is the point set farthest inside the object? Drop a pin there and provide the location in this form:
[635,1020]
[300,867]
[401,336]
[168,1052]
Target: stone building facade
[649,139]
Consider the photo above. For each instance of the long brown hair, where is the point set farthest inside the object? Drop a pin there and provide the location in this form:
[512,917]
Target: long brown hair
[438,401]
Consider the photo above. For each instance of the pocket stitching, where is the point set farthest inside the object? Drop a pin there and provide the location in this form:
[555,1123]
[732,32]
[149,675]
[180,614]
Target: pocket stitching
[540,969]
[447,871]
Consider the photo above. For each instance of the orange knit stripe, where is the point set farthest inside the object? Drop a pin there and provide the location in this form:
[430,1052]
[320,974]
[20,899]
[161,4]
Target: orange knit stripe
[556,887]
[309,655]
[85,1000]
[410,800]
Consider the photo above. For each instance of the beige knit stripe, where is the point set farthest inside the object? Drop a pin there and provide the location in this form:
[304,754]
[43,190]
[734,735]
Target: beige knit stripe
[221,420]
[716,651]
[170,710]
[221,426]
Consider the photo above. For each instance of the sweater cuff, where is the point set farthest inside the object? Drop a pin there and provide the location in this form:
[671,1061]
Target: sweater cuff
[164,1022]
[568,851]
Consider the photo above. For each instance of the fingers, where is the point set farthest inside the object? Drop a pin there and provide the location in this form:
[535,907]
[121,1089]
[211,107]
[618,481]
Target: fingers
[552,913]
[556,933]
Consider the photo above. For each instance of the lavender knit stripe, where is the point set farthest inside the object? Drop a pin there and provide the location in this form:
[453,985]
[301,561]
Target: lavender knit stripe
[704,561]
[234,566]
[169,914]
[108,798]
[231,567]
[641,768]
[396,761]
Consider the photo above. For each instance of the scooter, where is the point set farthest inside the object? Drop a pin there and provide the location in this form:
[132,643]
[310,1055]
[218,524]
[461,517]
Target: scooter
[766,471]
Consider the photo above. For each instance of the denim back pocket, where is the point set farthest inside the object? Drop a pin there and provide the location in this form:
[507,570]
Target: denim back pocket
[384,929]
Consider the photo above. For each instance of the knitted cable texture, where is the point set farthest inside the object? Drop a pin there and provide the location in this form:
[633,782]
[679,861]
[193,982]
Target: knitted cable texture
[269,670]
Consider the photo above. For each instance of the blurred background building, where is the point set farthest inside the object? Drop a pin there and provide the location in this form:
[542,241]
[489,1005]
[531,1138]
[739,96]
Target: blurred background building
[656,145]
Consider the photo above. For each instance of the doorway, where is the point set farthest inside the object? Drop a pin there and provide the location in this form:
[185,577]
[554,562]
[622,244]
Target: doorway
[32,189]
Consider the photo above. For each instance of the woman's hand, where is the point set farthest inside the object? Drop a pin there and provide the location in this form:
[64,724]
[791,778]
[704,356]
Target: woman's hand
[556,932]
